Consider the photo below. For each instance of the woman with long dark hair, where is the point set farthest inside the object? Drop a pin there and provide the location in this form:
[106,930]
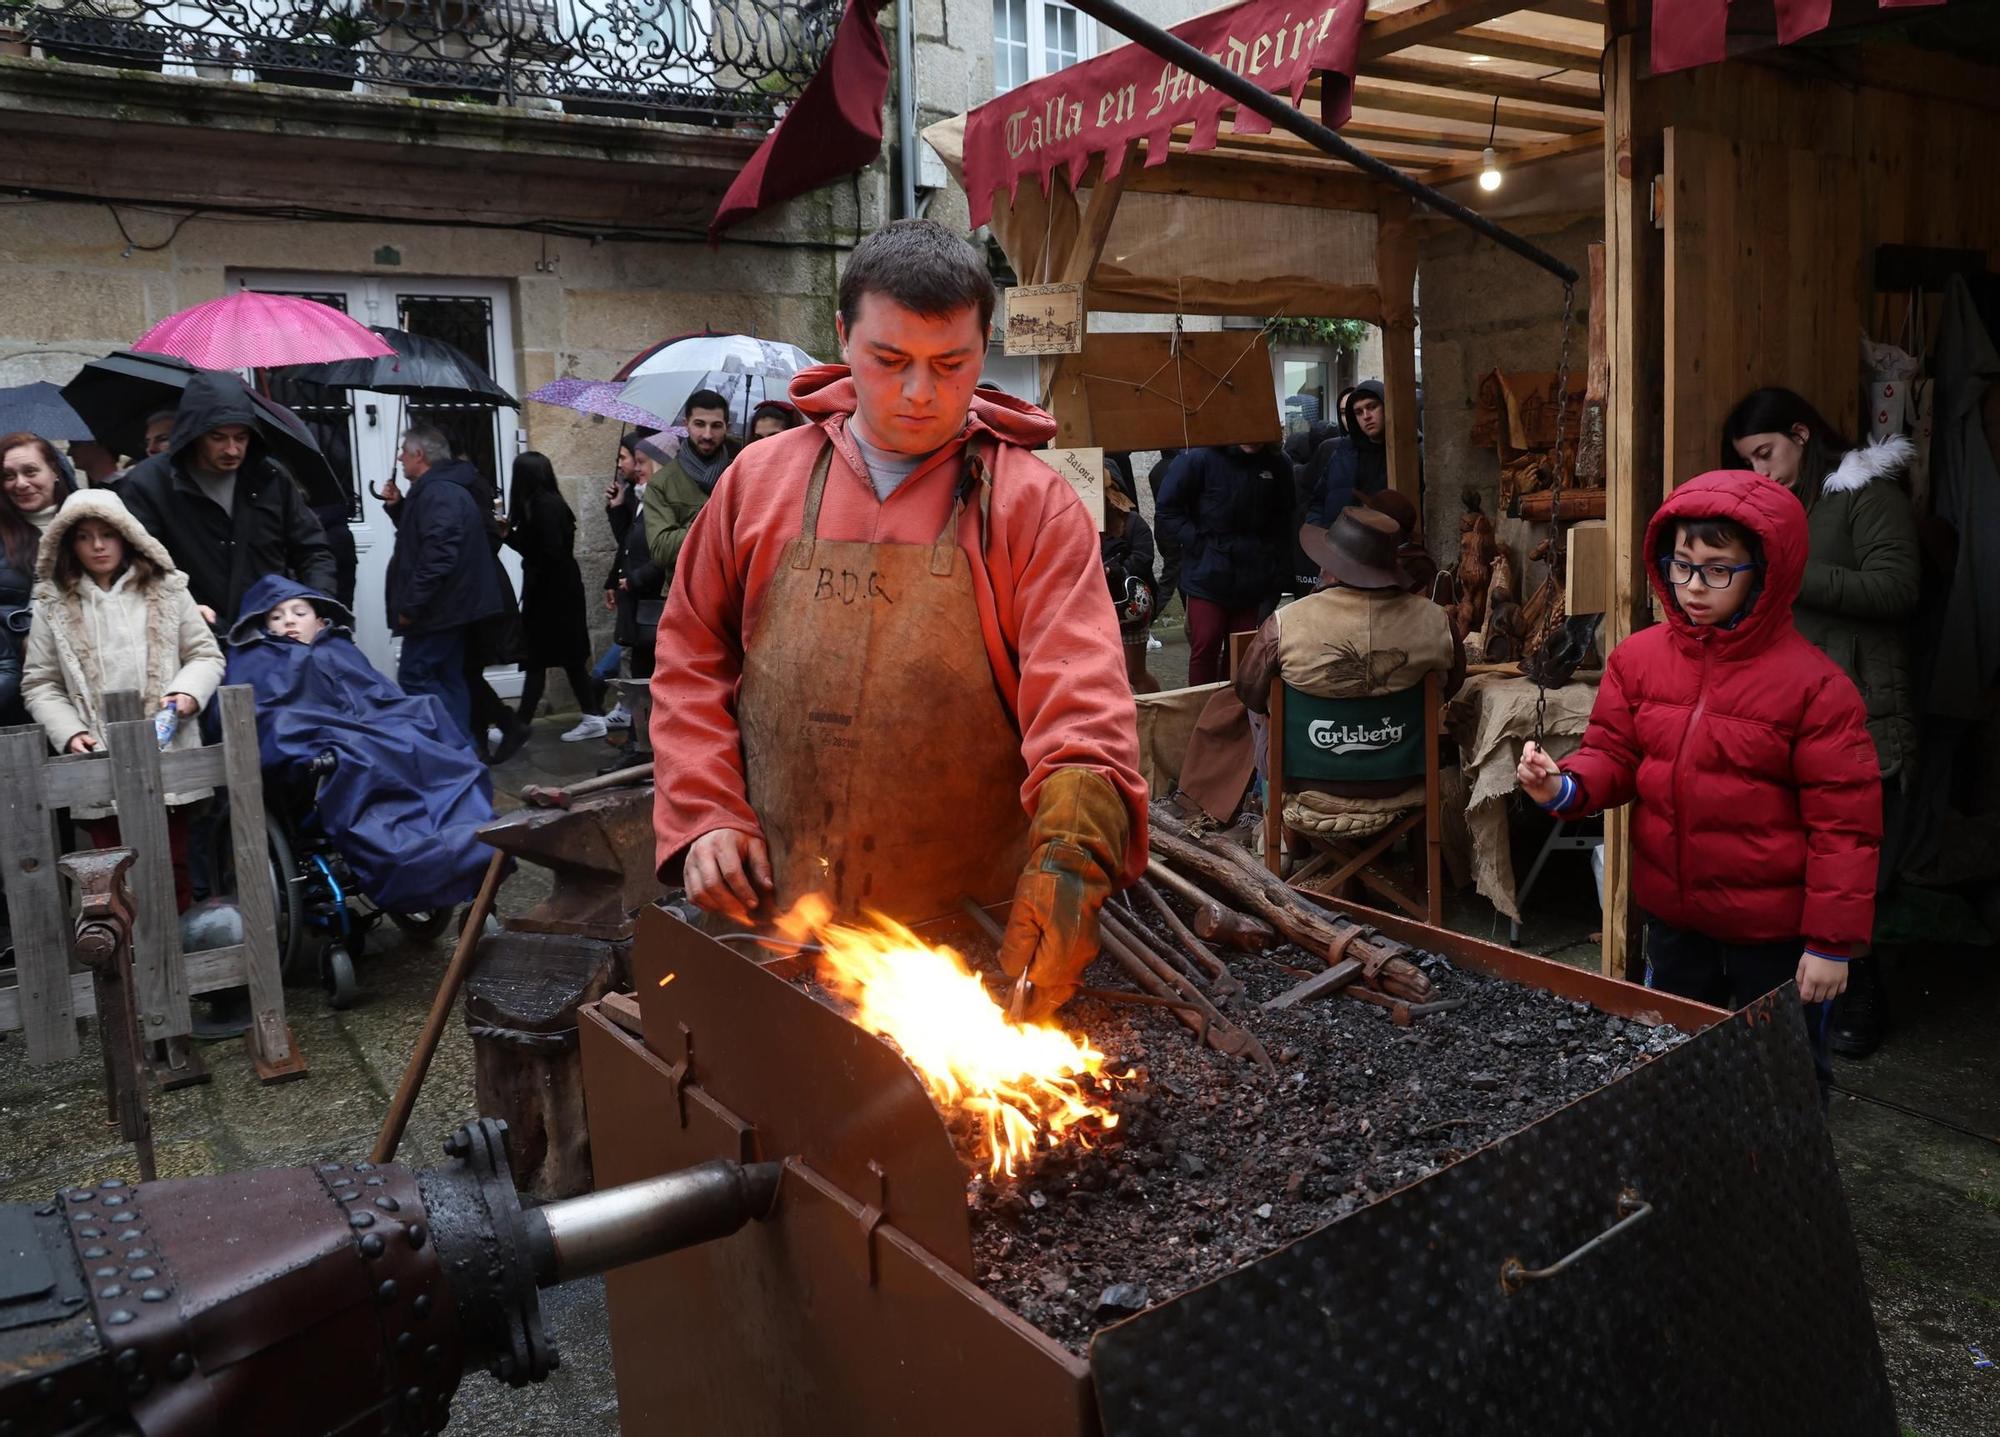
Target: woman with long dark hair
[34,481]
[1862,583]
[541,527]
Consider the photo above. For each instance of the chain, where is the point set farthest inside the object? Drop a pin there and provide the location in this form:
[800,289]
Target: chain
[1556,491]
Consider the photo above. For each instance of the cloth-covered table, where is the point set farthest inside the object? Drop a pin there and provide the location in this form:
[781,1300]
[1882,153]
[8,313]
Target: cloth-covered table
[1491,718]
[1166,723]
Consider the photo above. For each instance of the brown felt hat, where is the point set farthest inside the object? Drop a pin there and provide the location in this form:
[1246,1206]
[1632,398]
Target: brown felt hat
[1357,549]
[1397,506]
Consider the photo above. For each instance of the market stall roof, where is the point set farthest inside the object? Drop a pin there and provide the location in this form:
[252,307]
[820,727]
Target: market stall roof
[1423,99]
[1438,80]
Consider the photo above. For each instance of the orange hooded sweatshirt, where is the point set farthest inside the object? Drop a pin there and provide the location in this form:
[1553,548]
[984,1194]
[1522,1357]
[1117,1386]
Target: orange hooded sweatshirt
[1045,612]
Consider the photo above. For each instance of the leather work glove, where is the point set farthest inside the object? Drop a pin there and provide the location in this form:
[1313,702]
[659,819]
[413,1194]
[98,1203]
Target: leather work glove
[1075,845]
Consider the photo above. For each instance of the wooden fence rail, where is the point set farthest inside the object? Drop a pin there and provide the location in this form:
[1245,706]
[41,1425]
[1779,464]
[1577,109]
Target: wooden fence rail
[48,994]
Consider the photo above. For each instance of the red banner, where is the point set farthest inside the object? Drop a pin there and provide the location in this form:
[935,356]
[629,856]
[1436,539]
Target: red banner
[1098,107]
[1696,32]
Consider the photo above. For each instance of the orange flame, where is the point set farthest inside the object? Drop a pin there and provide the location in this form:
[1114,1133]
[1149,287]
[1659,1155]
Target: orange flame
[1021,1080]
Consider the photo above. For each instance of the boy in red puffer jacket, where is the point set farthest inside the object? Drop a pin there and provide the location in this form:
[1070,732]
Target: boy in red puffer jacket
[1744,751]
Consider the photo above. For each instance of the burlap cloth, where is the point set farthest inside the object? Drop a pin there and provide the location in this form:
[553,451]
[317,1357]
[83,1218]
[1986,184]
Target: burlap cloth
[1166,725]
[1491,718]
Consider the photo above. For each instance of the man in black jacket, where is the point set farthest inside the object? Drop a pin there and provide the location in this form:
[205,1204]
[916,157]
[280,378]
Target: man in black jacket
[226,511]
[442,578]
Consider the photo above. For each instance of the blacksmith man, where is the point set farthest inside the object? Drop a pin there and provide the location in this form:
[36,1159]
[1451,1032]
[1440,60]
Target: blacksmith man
[889,643]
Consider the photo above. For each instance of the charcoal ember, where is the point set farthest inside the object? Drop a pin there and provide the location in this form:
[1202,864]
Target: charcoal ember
[1175,1195]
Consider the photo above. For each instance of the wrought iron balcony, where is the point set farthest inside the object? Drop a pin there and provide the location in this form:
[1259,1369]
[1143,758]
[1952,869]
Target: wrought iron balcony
[701,61]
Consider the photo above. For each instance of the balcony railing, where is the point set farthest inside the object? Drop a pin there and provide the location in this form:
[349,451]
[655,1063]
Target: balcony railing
[703,61]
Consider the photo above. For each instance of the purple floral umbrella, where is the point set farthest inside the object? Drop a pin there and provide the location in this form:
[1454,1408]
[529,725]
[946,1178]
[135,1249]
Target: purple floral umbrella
[589,396]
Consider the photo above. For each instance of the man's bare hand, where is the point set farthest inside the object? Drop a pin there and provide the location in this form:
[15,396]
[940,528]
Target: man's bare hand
[610,598]
[728,871]
[207,614]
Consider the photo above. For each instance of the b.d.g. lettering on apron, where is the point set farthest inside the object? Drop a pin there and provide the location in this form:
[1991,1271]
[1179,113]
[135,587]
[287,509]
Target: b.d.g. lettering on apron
[849,586]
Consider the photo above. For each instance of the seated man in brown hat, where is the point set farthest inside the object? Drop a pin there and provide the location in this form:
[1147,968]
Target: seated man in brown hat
[1362,635]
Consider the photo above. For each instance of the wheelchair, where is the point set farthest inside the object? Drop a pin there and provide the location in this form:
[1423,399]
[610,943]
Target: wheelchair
[323,919]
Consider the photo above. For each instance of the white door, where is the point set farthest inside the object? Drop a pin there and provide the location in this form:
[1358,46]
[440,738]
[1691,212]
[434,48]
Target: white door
[361,429]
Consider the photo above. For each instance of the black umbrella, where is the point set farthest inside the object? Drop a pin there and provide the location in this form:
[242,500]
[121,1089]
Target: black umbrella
[115,394]
[427,372]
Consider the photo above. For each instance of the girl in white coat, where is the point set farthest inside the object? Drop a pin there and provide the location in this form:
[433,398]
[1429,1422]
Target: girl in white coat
[111,612]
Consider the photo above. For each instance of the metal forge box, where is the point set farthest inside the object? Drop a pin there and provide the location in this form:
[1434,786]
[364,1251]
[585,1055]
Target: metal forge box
[1670,1253]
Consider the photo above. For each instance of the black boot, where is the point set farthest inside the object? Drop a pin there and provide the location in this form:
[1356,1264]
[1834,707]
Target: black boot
[1861,1014]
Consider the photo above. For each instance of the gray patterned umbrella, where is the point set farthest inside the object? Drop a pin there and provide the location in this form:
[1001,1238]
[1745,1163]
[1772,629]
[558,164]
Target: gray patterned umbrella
[40,409]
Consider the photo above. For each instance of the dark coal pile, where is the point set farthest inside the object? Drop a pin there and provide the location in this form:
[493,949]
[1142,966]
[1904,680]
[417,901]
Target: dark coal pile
[1214,1163]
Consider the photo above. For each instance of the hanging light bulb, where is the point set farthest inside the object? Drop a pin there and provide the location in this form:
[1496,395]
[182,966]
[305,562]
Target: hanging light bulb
[1489,158]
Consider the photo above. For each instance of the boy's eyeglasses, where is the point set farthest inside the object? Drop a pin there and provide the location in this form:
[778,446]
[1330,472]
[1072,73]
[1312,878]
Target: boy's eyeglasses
[1680,573]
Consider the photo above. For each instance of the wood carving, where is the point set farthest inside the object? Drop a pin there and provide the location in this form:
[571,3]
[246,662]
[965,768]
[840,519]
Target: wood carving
[1501,641]
[1476,548]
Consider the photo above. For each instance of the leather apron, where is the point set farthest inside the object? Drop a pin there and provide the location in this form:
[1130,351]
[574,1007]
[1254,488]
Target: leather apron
[880,760]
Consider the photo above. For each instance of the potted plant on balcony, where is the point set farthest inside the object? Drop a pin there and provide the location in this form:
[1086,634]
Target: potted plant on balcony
[100,32]
[14,27]
[433,14]
[321,56]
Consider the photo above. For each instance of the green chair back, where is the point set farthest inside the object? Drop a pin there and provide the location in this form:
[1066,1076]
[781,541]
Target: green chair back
[1347,740]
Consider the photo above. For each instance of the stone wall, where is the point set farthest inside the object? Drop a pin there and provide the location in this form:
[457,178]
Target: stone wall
[1482,308]
[73,287]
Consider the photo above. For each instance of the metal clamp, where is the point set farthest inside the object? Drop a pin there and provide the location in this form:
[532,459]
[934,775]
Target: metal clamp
[1514,1275]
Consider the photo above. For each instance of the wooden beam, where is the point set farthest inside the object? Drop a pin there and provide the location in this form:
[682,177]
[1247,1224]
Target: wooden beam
[1485,82]
[1633,260]
[1517,159]
[1590,10]
[1373,94]
[1324,185]
[1063,391]
[1505,44]
[1418,24]
[1396,279]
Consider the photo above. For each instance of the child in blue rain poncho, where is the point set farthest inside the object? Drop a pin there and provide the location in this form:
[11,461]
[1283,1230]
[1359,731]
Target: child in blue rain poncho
[405,796]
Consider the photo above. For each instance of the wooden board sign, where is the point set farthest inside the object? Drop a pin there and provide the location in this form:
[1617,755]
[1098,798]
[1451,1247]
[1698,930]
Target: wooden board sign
[1043,319]
[1145,390]
[1084,468]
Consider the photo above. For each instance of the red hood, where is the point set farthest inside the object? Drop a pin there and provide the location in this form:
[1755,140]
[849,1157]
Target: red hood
[1768,510]
[826,391]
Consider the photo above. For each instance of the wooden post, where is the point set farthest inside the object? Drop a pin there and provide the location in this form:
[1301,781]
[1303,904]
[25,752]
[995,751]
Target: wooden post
[159,978]
[35,903]
[273,1052]
[1634,264]
[1396,284]
[1063,390]
[1274,779]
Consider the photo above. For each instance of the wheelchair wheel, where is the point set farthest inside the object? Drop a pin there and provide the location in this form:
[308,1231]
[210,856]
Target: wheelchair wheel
[422,924]
[297,960]
[341,988]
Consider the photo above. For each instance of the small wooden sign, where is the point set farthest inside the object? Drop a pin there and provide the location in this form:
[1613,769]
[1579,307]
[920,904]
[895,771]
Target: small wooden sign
[1084,468]
[1044,319]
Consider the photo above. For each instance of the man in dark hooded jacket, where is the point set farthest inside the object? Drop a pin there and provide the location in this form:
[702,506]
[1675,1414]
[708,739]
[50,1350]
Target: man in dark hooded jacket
[225,510]
[1355,464]
[442,576]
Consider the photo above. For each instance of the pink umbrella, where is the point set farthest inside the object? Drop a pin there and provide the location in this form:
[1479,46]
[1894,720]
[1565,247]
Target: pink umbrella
[249,330]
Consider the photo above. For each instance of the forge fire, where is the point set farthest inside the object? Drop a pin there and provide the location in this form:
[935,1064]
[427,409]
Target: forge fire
[1027,1087]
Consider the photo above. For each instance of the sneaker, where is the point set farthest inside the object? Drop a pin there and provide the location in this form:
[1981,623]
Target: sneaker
[588,727]
[1153,645]
[619,717]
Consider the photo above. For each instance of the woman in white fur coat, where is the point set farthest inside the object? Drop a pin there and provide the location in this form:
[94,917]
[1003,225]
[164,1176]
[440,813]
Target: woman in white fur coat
[111,612]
